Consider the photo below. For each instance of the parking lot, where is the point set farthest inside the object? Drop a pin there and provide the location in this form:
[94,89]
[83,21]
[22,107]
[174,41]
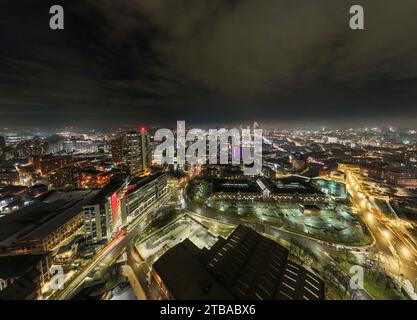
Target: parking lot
[176,232]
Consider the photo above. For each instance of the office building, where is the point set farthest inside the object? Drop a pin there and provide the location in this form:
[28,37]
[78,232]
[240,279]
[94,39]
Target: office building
[105,213]
[143,192]
[132,151]
[290,189]
[117,149]
[401,178]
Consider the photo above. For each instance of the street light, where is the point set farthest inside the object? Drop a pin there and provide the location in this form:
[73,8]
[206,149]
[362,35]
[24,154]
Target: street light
[406,253]
[386,234]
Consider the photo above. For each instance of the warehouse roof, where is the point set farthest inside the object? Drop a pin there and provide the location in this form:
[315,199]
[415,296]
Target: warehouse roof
[245,266]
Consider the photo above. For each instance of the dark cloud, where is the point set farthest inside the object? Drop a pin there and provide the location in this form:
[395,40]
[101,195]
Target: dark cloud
[207,61]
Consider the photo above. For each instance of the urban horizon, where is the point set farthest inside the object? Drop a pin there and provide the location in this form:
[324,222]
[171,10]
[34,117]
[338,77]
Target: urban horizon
[228,150]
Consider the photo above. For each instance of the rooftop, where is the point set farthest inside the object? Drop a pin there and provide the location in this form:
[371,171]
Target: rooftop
[235,186]
[292,185]
[246,266]
[36,221]
[17,266]
[138,182]
[115,184]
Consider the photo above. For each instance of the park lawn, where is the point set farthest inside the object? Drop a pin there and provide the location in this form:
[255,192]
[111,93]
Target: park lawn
[375,289]
[378,291]
[363,241]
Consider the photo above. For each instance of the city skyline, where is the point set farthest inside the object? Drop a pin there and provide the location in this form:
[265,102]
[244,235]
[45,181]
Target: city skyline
[104,215]
[200,150]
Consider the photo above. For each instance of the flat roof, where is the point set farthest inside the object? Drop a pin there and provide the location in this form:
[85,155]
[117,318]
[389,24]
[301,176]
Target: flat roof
[36,221]
[16,266]
[292,185]
[288,185]
[138,182]
[235,186]
[185,275]
[11,189]
[115,184]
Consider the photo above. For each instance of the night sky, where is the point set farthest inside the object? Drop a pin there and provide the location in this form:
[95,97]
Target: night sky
[211,62]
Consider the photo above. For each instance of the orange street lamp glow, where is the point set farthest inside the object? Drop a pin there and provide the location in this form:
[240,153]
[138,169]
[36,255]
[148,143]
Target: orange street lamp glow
[406,253]
[386,234]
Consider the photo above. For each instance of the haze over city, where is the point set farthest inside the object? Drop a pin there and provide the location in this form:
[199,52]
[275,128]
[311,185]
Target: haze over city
[228,150]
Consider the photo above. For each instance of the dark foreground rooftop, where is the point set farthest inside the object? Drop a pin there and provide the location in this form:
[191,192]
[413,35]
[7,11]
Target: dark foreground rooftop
[246,266]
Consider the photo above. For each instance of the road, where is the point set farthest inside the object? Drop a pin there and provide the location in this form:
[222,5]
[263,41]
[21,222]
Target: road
[110,252]
[383,242]
[263,228]
[143,272]
[321,248]
[399,256]
[312,244]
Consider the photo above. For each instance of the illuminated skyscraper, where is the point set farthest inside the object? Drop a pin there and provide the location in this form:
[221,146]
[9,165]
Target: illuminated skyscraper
[145,148]
[132,151]
[117,150]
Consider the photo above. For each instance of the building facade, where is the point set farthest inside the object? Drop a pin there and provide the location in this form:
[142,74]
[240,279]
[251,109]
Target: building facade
[105,214]
[131,150]
[144,192]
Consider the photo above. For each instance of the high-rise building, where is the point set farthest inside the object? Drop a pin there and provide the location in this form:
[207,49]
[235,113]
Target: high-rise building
[105,214]
[146,148]
[132,151]
[143,192]
[117,150]
[2,145]
[119,202]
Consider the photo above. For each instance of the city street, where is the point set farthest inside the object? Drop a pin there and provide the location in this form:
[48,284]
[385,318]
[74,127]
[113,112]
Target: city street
[402,268]
[110,252]
[399,256]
